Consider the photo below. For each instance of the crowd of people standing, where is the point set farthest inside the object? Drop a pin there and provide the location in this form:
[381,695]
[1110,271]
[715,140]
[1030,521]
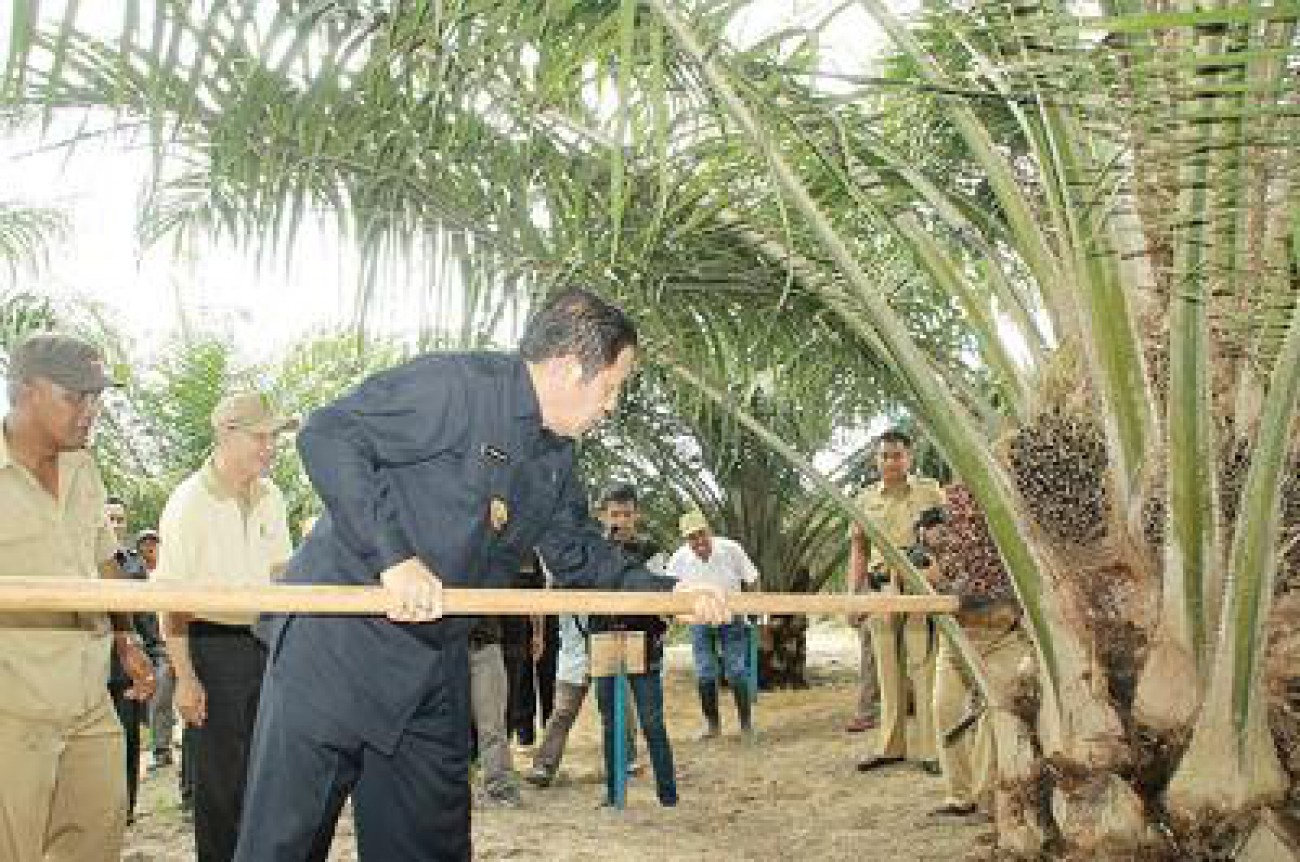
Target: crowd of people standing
[452,468]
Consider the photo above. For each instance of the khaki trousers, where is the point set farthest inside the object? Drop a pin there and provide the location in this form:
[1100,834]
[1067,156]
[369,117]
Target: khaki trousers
[970,764]
[869,691]
[64,793]
[904,660]
[487,696]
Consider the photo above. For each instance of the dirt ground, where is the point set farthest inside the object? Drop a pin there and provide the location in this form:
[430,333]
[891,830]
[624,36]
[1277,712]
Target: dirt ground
[794,796]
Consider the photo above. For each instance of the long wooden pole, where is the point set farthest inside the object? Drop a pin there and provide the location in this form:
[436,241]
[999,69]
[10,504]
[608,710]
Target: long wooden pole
[53,594]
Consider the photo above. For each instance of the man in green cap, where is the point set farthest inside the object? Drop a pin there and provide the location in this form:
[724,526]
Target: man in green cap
[60,739]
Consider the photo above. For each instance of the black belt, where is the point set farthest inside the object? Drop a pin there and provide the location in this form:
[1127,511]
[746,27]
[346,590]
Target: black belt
[203,628]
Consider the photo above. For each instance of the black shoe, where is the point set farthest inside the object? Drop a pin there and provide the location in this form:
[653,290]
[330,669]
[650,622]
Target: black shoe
[539,776]
[930,767]
[873,763]
[955,809]
[506,797]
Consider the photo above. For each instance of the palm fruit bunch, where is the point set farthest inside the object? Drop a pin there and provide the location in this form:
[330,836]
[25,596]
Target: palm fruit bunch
[1234,463]
[973,565]
[1059,463]
[1154,511]
[1282,683]
[1288,576]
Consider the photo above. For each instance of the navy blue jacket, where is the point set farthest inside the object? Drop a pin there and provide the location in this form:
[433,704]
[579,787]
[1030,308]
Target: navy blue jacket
[408,464]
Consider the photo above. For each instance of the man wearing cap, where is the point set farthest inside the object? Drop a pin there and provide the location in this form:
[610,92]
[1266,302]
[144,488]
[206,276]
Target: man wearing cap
[447,468]
[64,794]
[226,523]
[710,559]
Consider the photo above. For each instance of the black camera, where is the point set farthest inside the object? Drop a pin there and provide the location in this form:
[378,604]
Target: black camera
[919,553]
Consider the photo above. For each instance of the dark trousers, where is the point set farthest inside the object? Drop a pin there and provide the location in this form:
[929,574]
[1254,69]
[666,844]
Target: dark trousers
[531,684]
[648,692]
[521,696]
[186,772]
[229,663]
[545,668]
[412,805]
[131,713]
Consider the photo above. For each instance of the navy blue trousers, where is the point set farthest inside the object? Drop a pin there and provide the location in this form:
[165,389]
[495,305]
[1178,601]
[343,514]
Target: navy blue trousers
[412,805]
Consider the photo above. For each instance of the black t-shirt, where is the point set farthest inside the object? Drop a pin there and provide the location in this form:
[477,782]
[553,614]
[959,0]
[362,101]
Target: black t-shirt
[516,631]
[486,631]
[638,552]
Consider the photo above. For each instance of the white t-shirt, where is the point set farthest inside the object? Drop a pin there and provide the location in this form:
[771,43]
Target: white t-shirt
[728,565]
[206,536]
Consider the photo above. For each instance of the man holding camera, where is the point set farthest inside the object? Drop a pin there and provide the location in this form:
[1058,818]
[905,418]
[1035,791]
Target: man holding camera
[902,645]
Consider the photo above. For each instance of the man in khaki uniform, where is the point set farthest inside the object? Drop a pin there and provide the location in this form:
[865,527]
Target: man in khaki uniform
[973,730]
[64,793]
[901,644]
[969,734]
[226,523]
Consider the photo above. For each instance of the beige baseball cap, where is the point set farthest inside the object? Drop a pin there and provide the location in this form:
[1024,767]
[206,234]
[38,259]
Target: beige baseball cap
[72,362]
[692,523]
[250,411]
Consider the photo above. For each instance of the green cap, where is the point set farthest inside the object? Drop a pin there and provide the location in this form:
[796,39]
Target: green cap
[71,362]
[692,523]
[250,411]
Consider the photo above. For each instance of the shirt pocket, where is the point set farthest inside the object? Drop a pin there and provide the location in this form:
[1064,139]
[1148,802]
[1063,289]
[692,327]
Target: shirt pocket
[875,510]
[22,527]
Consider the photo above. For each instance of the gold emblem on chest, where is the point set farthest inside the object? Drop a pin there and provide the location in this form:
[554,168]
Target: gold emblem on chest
[498,514]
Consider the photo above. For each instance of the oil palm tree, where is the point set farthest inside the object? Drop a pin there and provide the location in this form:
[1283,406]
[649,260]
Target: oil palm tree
[1139,485]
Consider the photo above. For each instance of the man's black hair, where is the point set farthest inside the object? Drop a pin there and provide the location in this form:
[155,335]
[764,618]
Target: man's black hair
[619,492]
[580,324]
[896,435]
[114,500]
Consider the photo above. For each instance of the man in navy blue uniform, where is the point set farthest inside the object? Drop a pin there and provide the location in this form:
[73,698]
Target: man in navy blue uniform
[446,469]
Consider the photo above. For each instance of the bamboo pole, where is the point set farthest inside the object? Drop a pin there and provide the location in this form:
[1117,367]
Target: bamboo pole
[57,594]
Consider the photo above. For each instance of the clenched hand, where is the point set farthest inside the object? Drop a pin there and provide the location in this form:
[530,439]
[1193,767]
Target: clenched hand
[710,605]
[414,592]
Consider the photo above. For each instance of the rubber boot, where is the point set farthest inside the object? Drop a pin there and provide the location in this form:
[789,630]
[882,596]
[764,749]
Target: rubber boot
[709,706]
[743,712]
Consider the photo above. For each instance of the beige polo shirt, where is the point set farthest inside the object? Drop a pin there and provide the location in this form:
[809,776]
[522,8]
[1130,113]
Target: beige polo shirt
[894,512]
[53,666]
[209,534]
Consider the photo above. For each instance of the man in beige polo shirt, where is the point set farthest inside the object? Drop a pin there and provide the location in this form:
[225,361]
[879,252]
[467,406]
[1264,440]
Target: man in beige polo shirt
[64,793]
[903,647]
[225,523]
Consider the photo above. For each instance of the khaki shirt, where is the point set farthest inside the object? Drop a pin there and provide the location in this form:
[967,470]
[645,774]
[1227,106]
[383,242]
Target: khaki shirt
[894,512]
[53,665]
[209,534]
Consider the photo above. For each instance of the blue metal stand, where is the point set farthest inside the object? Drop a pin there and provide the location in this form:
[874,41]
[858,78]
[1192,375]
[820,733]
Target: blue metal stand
[620,740]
